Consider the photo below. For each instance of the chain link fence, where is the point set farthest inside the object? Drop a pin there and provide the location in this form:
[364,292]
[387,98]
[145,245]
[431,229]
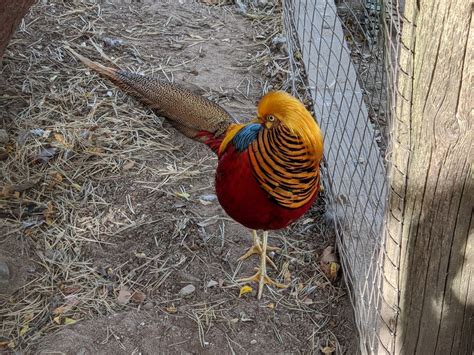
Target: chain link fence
[346,52]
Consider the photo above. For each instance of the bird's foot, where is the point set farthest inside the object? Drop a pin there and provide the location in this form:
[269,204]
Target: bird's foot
[261,276]
[256,248]
[262,279]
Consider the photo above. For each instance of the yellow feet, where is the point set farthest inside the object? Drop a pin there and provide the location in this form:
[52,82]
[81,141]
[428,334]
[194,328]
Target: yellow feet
[261,276]
[256,248]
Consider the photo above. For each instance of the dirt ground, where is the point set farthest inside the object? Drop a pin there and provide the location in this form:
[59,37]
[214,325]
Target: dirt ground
[109,224]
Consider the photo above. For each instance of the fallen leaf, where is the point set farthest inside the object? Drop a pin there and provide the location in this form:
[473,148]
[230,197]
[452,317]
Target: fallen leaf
[328,255]
[328,350]
[124,295]
[57,320]
[24,329]
[69,321]
[60,310]
[95,150]
[184,195]
[329,263]
[138,297]
[171,309]
[271,306]
[333,269]
[48,213]
[128,165]
[245,289]
[60,138]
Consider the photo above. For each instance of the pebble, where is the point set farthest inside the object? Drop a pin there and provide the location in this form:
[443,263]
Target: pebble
[187,291]
[253,342]
[209,197]
[148,306]
[4,272]
[212,283]
[3,136]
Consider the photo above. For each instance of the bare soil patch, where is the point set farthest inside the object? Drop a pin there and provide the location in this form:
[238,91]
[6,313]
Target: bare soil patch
[107,212]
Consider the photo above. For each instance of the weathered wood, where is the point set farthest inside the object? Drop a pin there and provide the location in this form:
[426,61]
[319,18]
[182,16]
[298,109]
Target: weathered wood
[429,259]
[11,13]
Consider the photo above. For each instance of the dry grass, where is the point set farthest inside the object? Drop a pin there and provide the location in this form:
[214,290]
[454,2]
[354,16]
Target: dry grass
[74,142]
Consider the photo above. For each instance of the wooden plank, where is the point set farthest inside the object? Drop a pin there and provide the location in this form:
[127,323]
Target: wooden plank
[432,183]
[355,169]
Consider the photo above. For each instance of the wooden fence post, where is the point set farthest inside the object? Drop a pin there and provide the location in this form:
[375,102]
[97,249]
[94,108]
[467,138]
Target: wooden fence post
[428,265]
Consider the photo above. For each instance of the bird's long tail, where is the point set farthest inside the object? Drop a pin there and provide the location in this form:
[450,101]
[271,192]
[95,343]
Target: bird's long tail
[193,115]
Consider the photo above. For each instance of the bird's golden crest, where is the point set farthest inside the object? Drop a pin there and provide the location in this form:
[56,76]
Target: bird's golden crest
[288,110]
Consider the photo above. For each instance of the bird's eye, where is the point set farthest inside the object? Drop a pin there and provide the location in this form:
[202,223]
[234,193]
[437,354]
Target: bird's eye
[270,118]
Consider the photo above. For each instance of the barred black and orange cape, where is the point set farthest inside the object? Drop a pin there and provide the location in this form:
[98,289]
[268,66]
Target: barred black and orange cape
[268,172]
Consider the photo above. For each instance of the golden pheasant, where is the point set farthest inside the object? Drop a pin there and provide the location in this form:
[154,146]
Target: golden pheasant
[268,170]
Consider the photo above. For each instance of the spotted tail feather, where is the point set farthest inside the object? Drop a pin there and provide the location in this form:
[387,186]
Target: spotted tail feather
[193,115]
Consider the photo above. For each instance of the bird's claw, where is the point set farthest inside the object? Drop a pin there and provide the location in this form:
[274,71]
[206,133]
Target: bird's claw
[262,279]
[257,249]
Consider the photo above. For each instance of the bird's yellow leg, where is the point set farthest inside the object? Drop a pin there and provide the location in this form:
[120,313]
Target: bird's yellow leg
[256,248]
[261,276]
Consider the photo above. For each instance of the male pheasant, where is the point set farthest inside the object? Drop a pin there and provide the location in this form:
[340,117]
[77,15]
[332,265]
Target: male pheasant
[268,170]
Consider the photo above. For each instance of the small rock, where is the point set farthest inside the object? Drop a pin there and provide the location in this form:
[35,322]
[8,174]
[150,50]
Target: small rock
[148,306]
[4,272]
[278,40]
[212,283]
[187,291]
[253,342]
[112,42]
[209,197]
[3,136]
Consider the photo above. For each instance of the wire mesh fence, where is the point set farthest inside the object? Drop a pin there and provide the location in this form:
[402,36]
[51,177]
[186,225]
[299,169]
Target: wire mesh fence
[347,53]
